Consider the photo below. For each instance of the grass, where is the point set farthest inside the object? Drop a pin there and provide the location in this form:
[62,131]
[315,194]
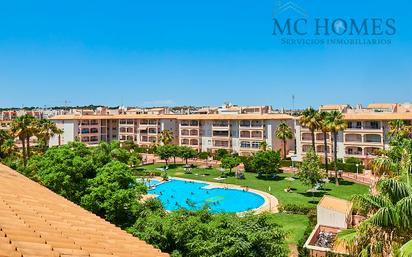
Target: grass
[299,195]
[293,224]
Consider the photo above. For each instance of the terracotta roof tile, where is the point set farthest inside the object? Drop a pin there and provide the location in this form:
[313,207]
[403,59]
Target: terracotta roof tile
[36,222]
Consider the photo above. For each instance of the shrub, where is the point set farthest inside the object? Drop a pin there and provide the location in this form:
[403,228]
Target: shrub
[295,208]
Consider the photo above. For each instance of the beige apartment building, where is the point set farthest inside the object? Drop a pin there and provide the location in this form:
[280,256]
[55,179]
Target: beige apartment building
[241,133]
[366,133]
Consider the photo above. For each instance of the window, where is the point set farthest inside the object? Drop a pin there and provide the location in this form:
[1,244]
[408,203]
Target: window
[245,144]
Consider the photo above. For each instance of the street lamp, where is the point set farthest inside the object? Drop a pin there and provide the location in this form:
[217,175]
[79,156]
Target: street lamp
[357,170]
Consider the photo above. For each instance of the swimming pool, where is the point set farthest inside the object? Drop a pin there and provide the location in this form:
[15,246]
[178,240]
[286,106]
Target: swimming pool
[177,194]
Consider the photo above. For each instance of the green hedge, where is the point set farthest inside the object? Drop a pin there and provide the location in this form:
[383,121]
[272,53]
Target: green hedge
[295,208]
[288,163]
[347,167]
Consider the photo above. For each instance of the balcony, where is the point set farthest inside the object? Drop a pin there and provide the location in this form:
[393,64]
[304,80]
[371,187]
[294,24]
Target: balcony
[221,124]
[249,145]
[218,133]
[306,137]
[353,138]
[257,135]
[254,124]
[149,123]
[354,151]
[189,123]
[189,132]
[221,144]
[190,142]
[372,139]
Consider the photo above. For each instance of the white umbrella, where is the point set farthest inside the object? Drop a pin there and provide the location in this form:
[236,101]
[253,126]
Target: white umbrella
[326,180]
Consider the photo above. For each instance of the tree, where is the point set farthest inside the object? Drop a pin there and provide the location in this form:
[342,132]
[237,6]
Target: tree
[335,123]
[111,194]
[398,130]
[267,162]
[263,146]
[199,233]
[8,147]
[166,137]
[229,162]
[310,173]
[175,152]
[106,152]
[129,145]
[284,132]
[204,156]
[186,153]
[44,129]
[22,127]
[135,159]
[4,135]
[325,131]
[64,170]
[165,152]
[311,119]
[387,231]
[220,153]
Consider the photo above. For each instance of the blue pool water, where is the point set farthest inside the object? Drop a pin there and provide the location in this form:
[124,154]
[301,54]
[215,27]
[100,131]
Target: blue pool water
[177,194]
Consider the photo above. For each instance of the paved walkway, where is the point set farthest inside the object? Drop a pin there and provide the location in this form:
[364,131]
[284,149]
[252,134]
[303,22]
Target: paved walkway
[366,178]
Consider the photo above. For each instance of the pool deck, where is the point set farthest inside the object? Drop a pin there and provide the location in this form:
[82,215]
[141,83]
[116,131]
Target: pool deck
[270,205]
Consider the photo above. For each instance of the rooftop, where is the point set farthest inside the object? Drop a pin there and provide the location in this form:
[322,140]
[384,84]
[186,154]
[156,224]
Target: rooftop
[335,204]
[178,117]
[34,221]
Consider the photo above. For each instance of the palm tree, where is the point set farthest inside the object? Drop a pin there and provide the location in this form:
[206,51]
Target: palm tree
[335,123]
[325,131]
[166,136]
[8,147]
[389,216]
[22,127]
[284,132]
[4,135]
[263,146]
[311,119]
[45,129]
[398,129]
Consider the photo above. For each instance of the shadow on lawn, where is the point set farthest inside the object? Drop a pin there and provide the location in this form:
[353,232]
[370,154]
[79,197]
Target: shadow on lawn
[270,178]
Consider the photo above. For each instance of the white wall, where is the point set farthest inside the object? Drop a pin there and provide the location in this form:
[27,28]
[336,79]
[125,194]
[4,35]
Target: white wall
[70,131]
[331,218]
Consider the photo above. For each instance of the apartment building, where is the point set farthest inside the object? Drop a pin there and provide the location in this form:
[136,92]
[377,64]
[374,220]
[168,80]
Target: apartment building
[241,133]
[366,133]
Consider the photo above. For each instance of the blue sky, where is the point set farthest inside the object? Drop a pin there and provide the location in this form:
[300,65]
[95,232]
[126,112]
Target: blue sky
[192,52]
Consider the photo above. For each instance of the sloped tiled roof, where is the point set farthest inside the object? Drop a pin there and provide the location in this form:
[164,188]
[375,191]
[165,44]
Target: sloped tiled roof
[36,222]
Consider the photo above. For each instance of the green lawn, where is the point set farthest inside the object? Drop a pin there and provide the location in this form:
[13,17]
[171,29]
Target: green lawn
[293,224]
[299,195]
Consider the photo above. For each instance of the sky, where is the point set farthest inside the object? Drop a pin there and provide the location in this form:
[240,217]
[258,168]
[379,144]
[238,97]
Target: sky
[185,52]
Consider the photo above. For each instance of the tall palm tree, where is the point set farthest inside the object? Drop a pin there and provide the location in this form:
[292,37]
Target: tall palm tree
[311,119]
[45,129]
[325,130]
[284,132]
[335,123]
[166,136]
[389,216]
[22,128]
